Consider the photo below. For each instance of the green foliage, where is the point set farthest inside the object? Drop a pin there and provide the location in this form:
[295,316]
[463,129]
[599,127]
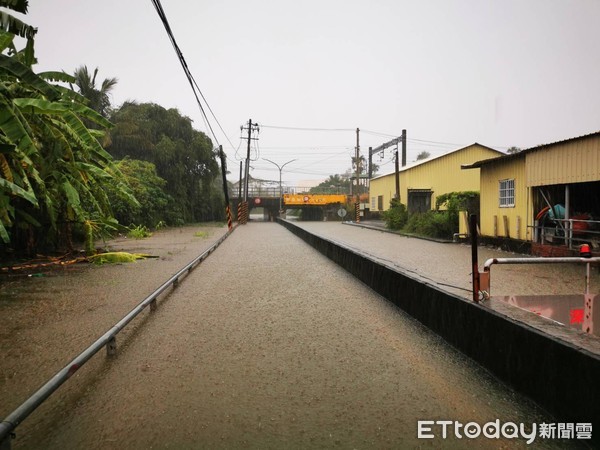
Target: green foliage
[201,234]
[97,96]
[153,204]
[396,216]
[183,157]
[139,232]
[334,184]
[55,172]
[453,202]
[437,224]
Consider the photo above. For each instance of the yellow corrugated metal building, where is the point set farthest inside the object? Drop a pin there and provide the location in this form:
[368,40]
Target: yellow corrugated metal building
[422,181]
[516,188]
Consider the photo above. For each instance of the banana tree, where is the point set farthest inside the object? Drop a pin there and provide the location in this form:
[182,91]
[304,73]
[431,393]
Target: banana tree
[53,170]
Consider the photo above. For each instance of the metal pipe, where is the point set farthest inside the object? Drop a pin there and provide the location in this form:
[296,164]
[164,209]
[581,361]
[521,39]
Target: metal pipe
[554,260]
[8,425]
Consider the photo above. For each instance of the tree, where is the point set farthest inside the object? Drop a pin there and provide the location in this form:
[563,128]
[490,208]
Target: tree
[155,205]
[184,157]
[513,150]
[423,155]
[98,98]
[333,184]
[54,172]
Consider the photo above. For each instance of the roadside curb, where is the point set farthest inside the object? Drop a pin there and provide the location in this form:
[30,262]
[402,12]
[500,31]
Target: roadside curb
[399,233]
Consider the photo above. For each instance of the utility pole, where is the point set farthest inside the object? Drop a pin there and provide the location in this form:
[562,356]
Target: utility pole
[250,127]
[357,164]
[403,148]
[397,164]
[395,141]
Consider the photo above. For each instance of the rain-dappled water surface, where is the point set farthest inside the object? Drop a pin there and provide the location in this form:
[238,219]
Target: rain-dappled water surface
[267,344]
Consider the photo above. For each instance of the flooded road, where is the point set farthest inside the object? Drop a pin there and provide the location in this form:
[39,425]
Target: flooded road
[267,344]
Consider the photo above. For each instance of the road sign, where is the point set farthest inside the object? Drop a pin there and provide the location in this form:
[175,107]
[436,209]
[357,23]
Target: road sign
[342,212]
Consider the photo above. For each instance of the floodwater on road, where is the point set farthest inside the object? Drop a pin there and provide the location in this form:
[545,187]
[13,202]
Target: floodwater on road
[267,344]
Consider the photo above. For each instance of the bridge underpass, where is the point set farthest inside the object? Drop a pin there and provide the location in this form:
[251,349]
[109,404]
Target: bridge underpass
[313,206]
[280,348]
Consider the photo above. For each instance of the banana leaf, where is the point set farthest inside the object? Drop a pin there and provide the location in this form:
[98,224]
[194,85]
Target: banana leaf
[16,5]
[14,130]
[39,106]
[18,191]
[10,24]
[25,75]
[56,76]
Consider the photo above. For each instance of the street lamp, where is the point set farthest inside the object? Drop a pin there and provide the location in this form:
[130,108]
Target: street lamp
[280,169]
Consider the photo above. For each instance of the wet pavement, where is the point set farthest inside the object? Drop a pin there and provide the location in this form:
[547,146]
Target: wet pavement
[267,344]
[448,266]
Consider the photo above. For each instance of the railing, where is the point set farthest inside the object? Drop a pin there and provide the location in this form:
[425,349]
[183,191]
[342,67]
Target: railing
[568,232]
[269,191]
[587,324]
[108,340]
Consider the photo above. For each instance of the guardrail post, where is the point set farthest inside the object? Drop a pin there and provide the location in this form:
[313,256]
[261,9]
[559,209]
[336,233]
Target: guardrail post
[111,346]
[474,262]
[5,443]
[588,313]
[153,305]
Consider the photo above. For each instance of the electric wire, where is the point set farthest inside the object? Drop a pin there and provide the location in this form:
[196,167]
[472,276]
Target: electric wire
[193,84]
[306,128]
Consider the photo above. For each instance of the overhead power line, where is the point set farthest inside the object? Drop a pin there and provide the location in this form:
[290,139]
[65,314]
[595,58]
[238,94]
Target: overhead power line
[195,88]
[307,129]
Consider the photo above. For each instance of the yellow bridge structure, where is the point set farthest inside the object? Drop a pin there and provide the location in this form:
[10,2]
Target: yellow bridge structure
[313,199]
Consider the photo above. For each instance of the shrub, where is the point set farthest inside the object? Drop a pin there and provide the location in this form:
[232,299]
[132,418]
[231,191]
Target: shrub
[396,217]
[139,232]
[437,224]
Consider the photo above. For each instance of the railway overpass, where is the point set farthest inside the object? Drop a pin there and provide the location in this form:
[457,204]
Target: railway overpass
[314,206]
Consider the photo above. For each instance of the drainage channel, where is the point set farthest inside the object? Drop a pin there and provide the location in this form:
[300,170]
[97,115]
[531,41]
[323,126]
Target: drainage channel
[108,340]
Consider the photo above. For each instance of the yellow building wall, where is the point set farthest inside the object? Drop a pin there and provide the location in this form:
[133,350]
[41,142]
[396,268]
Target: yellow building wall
[576,161]
[440,175]
[385,186]
[490,210]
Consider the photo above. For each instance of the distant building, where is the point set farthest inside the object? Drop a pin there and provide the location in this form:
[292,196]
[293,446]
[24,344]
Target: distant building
[422,181]
[547,194]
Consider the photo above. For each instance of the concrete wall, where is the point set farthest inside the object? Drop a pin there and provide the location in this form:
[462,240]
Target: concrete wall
[558,376]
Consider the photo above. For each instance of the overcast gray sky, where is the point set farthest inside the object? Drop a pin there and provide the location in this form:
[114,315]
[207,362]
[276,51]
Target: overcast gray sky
[451,72]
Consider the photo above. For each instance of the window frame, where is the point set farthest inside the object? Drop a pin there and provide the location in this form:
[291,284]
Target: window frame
[506,193]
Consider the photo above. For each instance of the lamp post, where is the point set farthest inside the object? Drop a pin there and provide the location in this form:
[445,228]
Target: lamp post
[280,170]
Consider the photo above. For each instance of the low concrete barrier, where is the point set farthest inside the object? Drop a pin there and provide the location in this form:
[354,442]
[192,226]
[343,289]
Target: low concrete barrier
[562,378]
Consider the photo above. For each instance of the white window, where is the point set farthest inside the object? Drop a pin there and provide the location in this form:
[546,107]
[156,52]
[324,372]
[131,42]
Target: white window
[507,193]
[373,203]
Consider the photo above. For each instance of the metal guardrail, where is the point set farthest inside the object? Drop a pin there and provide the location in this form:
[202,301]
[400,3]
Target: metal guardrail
[567,231]
[484,282]
[589,300]
[108,340]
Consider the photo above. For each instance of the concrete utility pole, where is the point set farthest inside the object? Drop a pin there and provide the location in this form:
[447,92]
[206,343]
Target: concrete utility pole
[251,127]
[280,170]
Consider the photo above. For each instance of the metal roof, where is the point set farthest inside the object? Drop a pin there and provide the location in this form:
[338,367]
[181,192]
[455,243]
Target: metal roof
[478,164]
[433,158]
